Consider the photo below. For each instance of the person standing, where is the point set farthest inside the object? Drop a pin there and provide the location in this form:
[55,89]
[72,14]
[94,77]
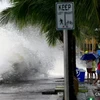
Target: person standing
[98,72]
[89,70]
[94,66]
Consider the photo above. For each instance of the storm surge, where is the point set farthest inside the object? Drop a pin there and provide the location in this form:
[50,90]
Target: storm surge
[25,54]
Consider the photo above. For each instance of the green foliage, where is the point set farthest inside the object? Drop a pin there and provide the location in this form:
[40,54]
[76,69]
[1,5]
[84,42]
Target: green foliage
[83,90]
[42,13]
[86,14]
[34,12]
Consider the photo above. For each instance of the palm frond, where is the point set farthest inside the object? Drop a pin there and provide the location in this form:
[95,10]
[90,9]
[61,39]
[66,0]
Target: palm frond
[42,13]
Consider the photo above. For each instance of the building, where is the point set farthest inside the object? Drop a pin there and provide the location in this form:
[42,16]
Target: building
[89,45]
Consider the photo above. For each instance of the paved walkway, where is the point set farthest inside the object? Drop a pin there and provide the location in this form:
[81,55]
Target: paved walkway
[27,97]
[92,93]
[31,96]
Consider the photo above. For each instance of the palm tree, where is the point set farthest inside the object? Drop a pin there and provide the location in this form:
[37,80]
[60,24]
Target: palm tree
[42,13]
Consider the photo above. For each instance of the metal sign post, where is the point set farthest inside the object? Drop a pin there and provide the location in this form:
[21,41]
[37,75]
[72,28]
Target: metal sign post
[65,22]
[66,64]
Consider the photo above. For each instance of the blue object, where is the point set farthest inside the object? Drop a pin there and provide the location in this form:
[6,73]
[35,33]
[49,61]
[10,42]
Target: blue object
[80,74]
[89,56]
[98,52]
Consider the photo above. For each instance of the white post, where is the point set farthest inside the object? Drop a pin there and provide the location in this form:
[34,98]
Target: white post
[66,73]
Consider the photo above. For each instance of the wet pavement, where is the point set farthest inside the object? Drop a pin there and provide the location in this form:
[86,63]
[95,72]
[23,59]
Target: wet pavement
[31,90]
[92,94]
[27,97]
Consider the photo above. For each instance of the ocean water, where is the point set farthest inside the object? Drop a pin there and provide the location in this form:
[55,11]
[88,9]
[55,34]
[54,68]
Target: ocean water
[25,54]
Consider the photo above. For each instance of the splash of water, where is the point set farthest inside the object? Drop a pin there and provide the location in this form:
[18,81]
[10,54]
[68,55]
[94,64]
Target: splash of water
[25,54]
